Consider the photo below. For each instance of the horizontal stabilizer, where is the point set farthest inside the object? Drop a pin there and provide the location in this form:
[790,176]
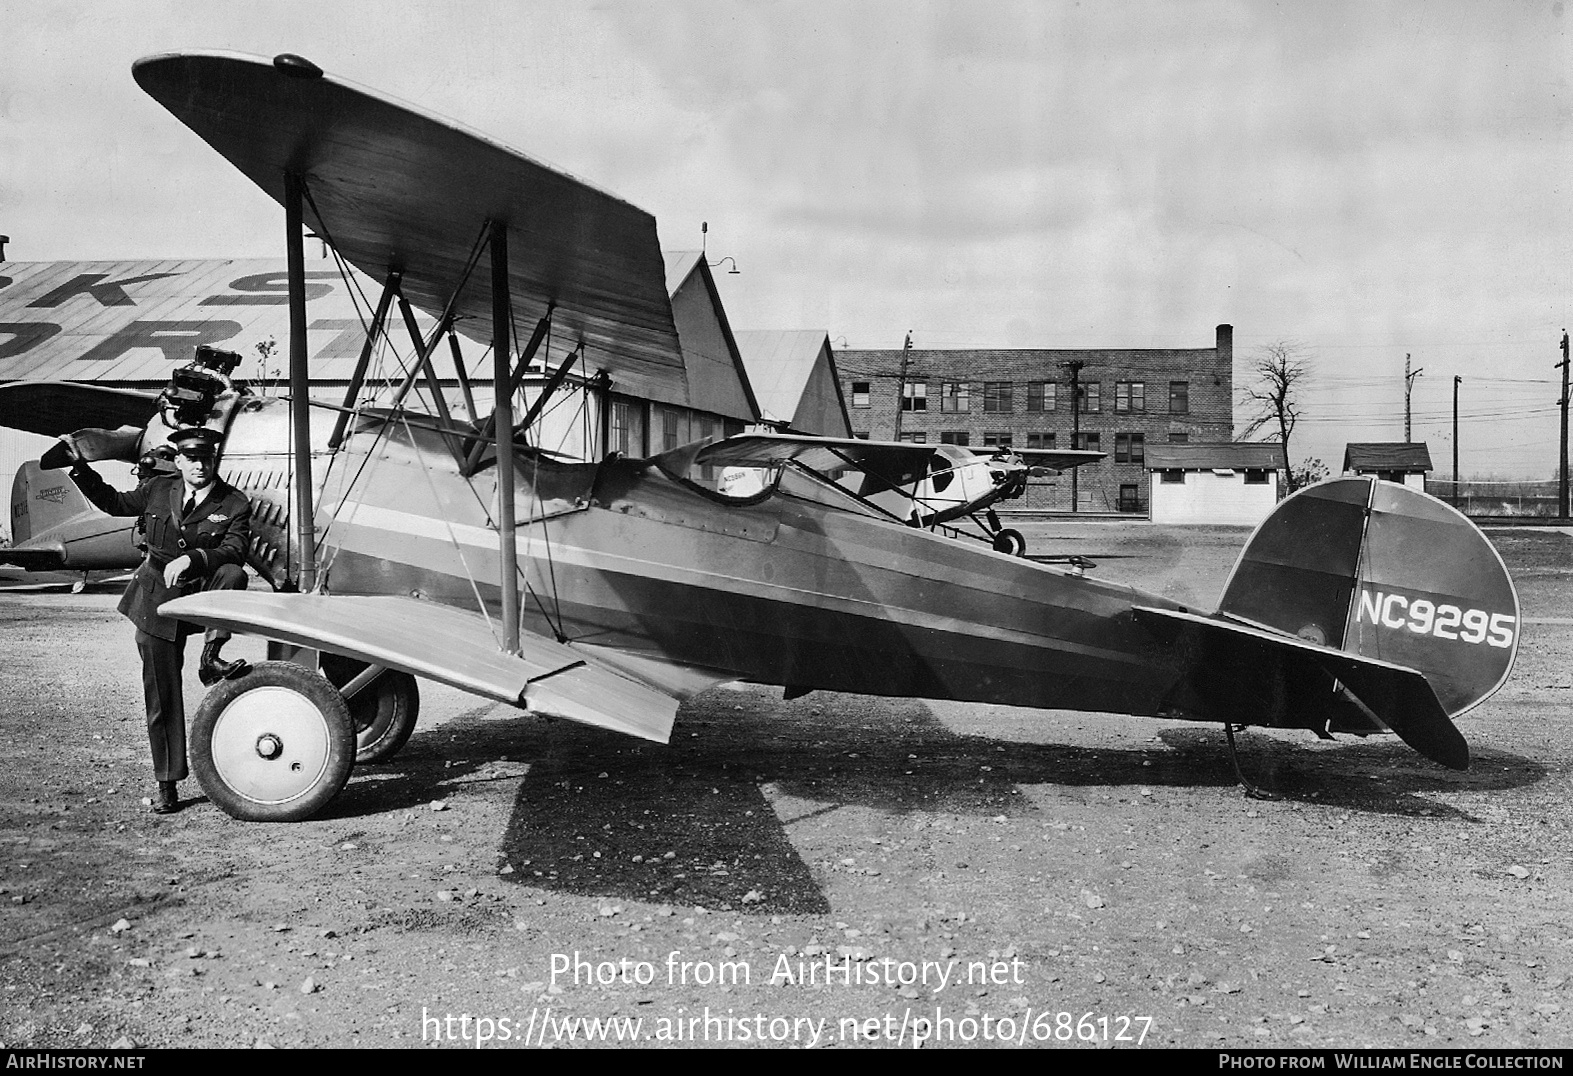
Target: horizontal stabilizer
[447,645]
[1242,673]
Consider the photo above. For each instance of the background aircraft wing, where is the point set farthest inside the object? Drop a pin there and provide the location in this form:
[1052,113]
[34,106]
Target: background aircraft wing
[452,647]
[1059,459]
[392,186]
[896,462]
[53,408]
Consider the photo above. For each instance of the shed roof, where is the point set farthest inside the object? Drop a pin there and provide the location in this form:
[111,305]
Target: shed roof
[1208,456]
[1410,456]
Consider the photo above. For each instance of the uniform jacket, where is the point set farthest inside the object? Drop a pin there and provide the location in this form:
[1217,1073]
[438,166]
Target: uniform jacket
[217,532]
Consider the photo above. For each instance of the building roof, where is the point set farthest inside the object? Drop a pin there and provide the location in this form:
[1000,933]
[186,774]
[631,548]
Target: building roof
[780,364]
[1228,455]
[1410,456]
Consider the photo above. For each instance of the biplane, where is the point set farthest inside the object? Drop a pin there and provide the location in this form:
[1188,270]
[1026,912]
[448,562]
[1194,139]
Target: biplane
[423,544]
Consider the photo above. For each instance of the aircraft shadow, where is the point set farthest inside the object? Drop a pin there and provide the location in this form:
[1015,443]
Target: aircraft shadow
[706,820]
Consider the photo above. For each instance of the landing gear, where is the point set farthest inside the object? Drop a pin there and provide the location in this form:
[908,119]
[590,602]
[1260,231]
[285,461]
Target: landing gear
[383,712]
[274,745]
[1234,757]
[1011,542]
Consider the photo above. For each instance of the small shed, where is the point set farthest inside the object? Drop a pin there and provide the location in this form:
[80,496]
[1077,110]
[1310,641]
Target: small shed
[1230,482]
[1404,462]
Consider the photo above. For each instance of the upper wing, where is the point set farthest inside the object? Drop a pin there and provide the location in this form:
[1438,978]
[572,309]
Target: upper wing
[896,462]
[53,408]
[393,187]
[453,647]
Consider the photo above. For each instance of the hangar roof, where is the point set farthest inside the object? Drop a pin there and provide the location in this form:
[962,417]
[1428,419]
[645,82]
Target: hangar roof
[795,380]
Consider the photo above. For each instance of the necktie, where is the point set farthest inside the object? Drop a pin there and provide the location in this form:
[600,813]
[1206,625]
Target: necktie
[191,503]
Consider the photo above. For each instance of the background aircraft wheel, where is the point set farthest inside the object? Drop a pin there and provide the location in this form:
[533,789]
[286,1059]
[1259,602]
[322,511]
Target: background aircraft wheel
[1012,542]
[274,745]
[383,714]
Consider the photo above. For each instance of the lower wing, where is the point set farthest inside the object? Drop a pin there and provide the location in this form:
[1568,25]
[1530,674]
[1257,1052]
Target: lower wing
[590,685]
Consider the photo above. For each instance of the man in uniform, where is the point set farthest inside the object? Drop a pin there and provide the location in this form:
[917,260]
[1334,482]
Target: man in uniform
[197,527]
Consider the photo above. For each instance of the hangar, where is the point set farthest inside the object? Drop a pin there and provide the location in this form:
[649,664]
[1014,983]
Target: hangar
[1226,483]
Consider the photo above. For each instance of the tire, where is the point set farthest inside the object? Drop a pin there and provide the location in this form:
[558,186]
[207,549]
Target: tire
[274,745]
[383,713]
[1011,542]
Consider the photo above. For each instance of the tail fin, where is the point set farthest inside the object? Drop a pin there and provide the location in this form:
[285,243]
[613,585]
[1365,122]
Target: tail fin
[1386,572]
[54,527]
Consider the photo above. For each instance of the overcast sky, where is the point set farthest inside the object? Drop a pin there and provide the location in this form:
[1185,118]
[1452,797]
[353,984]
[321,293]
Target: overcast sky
[1368,179]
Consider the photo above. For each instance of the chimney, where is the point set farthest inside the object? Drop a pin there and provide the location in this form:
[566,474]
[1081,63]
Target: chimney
[1225,344]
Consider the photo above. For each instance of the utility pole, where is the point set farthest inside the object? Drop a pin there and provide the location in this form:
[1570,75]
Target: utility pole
[1562,485]
[1456,380]
[1075,367]
[901,382]
[1409,381]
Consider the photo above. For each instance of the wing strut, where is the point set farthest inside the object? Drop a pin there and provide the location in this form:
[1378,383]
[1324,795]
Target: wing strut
[352,394]
[299,386]
[510,383]
[502,423]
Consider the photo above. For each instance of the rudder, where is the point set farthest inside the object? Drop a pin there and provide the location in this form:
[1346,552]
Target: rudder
[1387,572]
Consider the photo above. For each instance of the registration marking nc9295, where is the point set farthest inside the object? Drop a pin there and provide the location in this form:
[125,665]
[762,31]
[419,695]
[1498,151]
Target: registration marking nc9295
[1425,617]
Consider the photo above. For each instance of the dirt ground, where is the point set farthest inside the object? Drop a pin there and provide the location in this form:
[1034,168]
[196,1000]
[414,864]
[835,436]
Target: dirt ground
[834,870]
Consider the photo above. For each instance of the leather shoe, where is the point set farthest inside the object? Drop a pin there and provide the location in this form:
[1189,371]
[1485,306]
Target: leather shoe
[168,800]
[213,668]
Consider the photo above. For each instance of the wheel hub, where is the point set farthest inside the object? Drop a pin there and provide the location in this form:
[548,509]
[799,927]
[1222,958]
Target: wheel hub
[271,745]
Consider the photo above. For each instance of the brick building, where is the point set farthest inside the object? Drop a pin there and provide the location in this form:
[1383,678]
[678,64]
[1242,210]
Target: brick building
[1022,398]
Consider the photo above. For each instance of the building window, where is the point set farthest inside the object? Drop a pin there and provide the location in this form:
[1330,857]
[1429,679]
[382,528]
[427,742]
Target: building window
[626,435]
[915,396]
[1255,477]
[1179,437]
[1129,501]
[1089,394]
[860,394]
[1130,448]
[997,397]
[1179,397]
[955,437]
[953,397]
[1040,395]
[1090,441]
[1000,439]
[1130,396]
[1172,478]
[916,438]
[1040,440]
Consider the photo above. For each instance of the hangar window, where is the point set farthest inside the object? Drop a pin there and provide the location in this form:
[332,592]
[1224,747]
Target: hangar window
[1256,477]
[860,394]
[1172,478]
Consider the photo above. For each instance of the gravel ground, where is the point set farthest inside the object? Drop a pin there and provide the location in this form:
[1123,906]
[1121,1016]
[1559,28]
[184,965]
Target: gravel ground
[781,868]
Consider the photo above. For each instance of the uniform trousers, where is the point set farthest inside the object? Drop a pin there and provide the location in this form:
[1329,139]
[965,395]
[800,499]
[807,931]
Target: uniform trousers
[163,690]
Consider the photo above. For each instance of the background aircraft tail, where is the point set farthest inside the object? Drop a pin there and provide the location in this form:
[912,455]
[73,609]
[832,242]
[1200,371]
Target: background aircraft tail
[1386,572]
[54,527]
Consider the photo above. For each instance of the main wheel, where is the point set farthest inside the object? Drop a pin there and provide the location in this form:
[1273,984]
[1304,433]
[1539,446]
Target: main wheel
[274,745]
[1009,541]
[383,712]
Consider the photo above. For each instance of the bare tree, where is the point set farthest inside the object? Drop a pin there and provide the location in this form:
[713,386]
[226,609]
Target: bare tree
[1278,373]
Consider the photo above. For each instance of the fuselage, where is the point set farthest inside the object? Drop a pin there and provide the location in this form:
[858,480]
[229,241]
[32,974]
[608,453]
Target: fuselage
[804,586]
